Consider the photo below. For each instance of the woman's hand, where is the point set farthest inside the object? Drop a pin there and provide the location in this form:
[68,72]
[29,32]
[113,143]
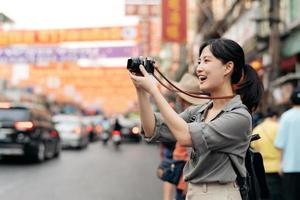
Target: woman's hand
[144,82]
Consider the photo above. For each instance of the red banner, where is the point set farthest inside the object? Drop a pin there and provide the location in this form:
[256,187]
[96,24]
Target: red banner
[174,21]
[68,35]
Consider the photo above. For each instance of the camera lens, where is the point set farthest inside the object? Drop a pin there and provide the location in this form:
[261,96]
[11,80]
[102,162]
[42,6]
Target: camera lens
[129,63]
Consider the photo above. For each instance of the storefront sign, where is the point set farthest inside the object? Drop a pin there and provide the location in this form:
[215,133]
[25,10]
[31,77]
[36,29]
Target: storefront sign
[68,35]
[142,10]
[142,2]
[46,54]
[109,84]
[174,23]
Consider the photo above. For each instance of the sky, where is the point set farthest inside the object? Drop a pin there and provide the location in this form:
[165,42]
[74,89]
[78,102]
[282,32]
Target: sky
[48,14]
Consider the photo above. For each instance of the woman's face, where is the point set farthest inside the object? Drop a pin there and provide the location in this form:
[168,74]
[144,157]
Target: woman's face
[210,71]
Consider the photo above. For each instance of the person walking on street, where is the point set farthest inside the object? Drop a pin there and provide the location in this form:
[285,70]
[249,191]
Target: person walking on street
[267,131]
[288,140]
[215,130]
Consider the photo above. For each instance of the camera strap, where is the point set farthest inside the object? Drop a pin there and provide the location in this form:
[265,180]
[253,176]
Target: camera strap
[191,94]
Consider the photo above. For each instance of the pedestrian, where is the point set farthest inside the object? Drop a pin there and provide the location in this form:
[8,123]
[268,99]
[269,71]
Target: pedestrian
[167,149]
[215,130]
[267,131]
[288,140]
[166,152]
[190,83]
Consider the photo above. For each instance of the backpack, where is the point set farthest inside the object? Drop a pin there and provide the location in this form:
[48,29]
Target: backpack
[253,186]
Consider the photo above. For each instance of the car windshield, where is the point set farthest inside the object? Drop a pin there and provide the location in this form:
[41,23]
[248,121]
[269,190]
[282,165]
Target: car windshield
[14,114]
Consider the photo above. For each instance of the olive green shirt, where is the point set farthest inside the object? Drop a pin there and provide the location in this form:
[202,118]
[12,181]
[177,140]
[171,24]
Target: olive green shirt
[227,134]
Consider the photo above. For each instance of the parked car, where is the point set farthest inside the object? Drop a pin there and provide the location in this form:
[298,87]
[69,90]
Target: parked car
[72,130]
[27,130]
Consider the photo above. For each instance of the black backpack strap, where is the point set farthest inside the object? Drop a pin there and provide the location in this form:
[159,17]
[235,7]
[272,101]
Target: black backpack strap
[241,181]
[237,172]
[234,167]
[253,138]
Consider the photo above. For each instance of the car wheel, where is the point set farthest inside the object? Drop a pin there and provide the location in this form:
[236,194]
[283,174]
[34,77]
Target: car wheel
[40,156]
[57,150]
[81,144]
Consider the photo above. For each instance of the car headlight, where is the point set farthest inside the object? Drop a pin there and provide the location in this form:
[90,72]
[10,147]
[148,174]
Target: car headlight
[135,130]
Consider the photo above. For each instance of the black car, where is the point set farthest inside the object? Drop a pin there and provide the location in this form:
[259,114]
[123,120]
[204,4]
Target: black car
[27,131]
[129,129]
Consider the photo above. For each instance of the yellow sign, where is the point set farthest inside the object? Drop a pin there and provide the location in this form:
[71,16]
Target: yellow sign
[68,35]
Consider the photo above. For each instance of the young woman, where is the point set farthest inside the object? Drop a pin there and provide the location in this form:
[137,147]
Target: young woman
[215,130]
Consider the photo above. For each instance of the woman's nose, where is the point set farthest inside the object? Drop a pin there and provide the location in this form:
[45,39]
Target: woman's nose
[199,69]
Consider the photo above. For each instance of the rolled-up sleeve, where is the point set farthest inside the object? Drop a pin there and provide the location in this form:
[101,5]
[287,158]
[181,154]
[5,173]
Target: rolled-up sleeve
[225,133]
[162,132]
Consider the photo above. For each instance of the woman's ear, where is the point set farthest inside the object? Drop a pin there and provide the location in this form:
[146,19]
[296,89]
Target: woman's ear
[228,68]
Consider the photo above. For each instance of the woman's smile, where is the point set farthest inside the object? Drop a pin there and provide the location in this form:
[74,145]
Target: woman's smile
[202,78]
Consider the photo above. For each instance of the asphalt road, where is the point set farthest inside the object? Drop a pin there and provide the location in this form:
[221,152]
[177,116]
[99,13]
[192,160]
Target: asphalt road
[97,173]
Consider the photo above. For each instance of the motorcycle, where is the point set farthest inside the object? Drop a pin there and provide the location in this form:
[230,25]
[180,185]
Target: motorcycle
[116,138]
[104,137]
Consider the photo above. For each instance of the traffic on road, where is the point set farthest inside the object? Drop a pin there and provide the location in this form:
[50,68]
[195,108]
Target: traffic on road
[97,172]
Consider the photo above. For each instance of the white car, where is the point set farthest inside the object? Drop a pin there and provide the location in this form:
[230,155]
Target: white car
[71,130]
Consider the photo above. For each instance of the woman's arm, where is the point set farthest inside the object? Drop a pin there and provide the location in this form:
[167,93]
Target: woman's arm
[178,127]
[176,124]
[146,113]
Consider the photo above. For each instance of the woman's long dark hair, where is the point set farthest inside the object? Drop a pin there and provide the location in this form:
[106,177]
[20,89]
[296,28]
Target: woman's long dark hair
[244,77]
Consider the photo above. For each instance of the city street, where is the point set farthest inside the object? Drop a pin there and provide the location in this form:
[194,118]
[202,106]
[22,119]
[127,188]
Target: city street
[70,73]
[96,173]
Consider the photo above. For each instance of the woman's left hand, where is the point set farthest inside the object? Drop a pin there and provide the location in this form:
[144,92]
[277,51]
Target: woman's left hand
[144,82]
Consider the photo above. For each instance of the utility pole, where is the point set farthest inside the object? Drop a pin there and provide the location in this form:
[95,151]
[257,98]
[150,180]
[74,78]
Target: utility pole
[274,45]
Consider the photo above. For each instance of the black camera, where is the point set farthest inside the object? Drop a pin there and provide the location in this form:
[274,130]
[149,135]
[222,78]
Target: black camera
[134,63]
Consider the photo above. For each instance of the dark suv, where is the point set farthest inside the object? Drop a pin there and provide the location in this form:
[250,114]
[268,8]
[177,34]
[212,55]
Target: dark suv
[27,131]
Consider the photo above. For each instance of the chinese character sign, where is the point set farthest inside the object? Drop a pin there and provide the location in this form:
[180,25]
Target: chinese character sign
[174,21]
